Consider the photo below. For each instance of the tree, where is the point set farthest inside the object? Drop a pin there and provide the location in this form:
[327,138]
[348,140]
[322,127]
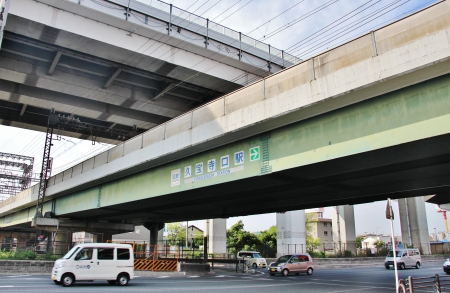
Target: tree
[238,239]
[311,242]
[378,243]
[269,237]
[359,240]
[176,232]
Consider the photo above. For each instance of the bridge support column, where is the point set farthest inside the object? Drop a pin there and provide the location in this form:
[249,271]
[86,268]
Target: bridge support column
[62,242]
[63,229]
[291,234]
[413,222]
[217,236]
[344,232]
[154,228]
[101,237]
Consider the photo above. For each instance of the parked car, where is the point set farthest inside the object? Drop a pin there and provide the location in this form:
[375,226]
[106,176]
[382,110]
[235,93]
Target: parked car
[254,257]
[292,263]
[447,266]
[406,257]
[95,261]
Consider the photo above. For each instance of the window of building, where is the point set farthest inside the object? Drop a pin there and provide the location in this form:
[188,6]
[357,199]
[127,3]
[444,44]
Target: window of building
[325,233]
[325,224]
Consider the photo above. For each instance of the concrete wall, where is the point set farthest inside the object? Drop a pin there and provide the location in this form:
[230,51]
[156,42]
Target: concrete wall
[25,267]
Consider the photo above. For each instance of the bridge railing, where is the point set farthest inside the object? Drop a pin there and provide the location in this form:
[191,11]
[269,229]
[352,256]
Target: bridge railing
[169,14]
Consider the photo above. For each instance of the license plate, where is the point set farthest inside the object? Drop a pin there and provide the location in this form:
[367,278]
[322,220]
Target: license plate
[273,270]
[53,277]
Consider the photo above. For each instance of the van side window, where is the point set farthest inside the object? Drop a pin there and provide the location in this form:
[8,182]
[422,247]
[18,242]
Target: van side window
[84,254]
[123,253]
[105,253]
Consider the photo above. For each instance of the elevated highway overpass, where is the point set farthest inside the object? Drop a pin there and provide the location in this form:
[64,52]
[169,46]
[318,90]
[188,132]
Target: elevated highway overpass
[359,123]
[114,63]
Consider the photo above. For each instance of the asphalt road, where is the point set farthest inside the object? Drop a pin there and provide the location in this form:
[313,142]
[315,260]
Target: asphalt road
[368,279]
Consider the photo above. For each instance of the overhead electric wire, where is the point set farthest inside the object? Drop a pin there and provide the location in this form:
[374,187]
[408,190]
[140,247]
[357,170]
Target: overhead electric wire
[235,11]
[303,17]
[339,35]
[11,139]
[275,17]
[317,38]
[294,45]
[225,10]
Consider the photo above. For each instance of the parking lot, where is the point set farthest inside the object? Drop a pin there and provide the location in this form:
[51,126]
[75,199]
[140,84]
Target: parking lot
[368,279]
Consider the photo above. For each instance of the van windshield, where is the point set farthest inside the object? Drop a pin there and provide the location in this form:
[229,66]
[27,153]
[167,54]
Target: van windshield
[399,253]
[71,252]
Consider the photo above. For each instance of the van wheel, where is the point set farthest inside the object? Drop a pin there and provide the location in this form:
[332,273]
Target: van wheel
[401,266]
[112,282]
[67,280]
[254,265]
[285,272]
[418,265]
[387,267]
[309,271]
[123,279]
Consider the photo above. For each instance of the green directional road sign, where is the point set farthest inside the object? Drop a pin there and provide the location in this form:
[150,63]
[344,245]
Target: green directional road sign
[254,154]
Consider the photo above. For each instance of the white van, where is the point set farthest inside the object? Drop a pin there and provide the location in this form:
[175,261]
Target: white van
[255,259]
[406,257]
[95,261]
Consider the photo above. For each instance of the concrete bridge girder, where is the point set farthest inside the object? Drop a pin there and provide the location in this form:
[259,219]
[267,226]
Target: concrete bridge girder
[55,225]
[78,30]
[333,137]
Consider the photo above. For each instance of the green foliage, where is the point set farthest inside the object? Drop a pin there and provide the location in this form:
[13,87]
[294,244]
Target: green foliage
[198,241]
[378,243]
[318,254]
[27,255]
[269,237]
[238,239]
[311,242]
[359,240]
[175,232]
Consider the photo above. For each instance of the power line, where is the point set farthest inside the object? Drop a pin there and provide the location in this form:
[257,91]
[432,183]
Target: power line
[303,17]
[275,17]
[294,45]
[318,38]
[347,30]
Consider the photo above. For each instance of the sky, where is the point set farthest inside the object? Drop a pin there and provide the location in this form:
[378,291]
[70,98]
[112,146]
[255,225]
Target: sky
[302,28]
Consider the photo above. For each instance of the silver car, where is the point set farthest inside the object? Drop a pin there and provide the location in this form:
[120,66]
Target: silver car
[292,263]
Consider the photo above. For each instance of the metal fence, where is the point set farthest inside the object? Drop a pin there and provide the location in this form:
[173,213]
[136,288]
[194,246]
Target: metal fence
[436,283]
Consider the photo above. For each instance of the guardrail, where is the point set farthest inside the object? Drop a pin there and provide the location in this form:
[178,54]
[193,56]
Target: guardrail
[435,282]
